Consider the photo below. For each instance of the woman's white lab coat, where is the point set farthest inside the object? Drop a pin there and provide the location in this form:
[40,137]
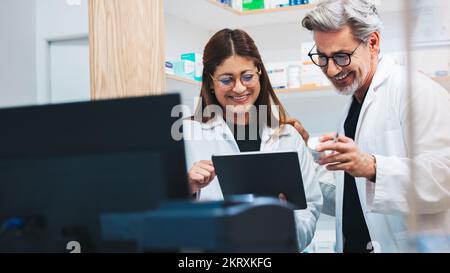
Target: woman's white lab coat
[384,130]
[202,140]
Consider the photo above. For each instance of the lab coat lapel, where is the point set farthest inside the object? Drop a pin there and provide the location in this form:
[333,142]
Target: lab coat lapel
[340,184]
[267,140]
[220,129]
[270,137]
[380,76]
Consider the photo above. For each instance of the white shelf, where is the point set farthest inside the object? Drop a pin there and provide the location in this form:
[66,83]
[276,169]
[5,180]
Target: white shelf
[212,16]
[444,81]
[304,89]
[193,83]
[183,80]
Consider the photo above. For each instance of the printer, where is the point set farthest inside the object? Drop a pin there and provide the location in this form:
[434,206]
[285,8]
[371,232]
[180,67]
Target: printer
[236,225]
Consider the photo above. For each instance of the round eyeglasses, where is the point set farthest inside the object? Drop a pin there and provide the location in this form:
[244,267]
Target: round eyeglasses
[248,79]
[340,59]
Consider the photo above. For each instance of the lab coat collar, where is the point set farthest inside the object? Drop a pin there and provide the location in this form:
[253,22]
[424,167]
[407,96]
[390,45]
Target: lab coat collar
[385,65]
[213,123]
[272,134]
[220,127]
[382,74]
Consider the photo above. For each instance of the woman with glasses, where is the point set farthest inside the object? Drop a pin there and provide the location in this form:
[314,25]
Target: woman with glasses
[239,112]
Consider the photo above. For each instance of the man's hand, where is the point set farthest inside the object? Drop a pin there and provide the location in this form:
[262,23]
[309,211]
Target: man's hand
[201,174]
[346,157]
[299,127]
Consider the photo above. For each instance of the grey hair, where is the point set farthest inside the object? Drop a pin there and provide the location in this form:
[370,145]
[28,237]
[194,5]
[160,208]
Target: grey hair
[333,15]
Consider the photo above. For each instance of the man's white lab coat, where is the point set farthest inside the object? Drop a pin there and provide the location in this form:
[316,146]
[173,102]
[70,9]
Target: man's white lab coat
[386,129]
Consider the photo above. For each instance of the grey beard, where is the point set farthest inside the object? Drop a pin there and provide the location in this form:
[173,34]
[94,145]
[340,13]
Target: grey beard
[349,90]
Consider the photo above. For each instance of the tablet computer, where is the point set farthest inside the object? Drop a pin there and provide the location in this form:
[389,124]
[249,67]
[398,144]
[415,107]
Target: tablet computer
[261,174]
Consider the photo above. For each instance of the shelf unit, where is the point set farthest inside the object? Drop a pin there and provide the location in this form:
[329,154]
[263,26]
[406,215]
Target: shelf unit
[209,16]
[212,15]
[260,11]
[183,80]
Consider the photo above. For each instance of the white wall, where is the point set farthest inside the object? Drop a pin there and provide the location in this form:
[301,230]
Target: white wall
[31,32]
[69,71]
[17,53]
[182,37]
[59,22]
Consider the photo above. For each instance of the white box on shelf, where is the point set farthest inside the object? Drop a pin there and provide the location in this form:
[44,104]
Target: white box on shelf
[236,4]
[294,76]
[169,68]
[271,4]
[278,75]
[311,74]
[193,65]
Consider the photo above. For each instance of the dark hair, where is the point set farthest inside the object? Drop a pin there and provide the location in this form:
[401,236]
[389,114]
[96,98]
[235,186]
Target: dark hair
[227,43]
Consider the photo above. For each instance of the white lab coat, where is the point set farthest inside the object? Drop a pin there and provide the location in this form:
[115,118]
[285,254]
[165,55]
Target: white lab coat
[383,130]
[215,137]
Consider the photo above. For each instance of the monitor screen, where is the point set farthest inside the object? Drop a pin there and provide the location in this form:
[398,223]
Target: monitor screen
[63,166]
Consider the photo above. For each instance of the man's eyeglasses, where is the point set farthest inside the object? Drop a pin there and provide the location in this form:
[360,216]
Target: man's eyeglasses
[340,59]
[248,79]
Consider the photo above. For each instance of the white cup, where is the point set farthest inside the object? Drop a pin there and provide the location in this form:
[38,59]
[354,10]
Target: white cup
[313,142]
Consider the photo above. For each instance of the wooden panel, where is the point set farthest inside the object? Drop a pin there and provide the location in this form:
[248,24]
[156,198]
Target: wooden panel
[126,48]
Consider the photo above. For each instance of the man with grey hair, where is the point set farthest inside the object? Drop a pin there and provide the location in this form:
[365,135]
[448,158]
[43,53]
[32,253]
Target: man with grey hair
[380,143]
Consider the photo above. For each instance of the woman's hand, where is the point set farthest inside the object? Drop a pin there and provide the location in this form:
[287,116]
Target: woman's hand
[201,174]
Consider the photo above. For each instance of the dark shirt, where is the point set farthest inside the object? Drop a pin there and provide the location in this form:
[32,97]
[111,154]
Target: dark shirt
[246,142]
[354,227]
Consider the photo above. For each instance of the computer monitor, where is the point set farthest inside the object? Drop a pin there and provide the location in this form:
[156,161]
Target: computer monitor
[63,166]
